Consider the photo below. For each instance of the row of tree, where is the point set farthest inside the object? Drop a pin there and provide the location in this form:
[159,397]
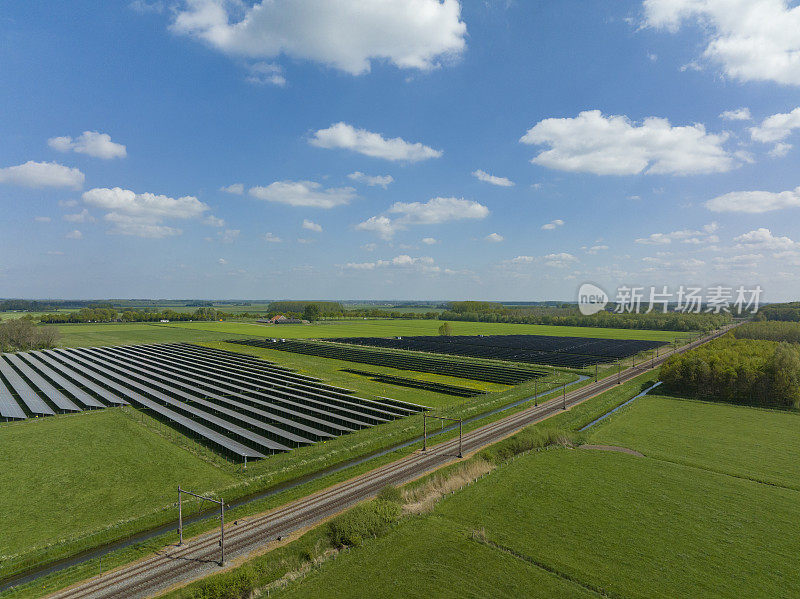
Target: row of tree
[789,311]
[671,321]
[728,369]
[769,330]
[20,334]
[86,315]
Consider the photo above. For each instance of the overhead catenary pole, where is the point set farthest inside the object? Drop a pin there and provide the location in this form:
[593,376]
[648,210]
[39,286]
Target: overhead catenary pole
[565,396]
[424,433]
[180,518]
[460,437]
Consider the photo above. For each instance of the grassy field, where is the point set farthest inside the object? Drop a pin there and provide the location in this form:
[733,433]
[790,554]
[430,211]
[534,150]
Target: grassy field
[416,561]
[737,440]
[69,476]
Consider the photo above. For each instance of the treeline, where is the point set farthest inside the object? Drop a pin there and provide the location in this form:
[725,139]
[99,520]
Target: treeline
[789,312]
[86,315]
[20,334]
[326,309]
[765,373]
[774,330]
[671,321]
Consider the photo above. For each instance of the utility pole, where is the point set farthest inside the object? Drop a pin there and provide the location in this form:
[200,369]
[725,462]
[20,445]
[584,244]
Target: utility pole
[180,518]
[221,503]
[595,372]
[565,396]
[221,533]
[535,395]
[424,433]
[460,454]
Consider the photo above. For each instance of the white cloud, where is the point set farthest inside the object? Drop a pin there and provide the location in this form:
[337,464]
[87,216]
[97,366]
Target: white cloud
[614,145]
[763,238]
[487,178]
[304,193]
[79,217]
[266,73]
[143,7]
[595,249]
[142,215]
[433,212]
[780,150]
[381,225]
[438,210]
[312,226]
[553,224]
[67,203]
[271,238]
[344,136]
[74,235]
[42,219]
[429,241]
[92,143]
[752,40]
[523,260]
[229,235]
[42,174]
[688,236]
[494,237]
[404,261]
[740,114]
[776,128]
[347,34]
[213,221]
[560,260]
[754,202]
[222,261]
[371,181]
[234,188]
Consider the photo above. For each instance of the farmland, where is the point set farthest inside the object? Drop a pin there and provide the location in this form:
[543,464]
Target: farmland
[124,471]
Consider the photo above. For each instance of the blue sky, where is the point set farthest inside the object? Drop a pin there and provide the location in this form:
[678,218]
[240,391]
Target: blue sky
[506,150]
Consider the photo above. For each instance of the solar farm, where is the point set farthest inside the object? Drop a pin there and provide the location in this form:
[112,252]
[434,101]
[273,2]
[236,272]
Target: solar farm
[565,352]
[239,405]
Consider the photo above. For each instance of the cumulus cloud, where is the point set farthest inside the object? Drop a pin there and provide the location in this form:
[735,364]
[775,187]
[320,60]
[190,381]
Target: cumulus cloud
[312,226]
[776,128]
[560,260]
[688,236]
[494,238]
[343,136]
[74,235]
[487,178]
[79,217]
[271,238]
[222,261]
[553,224]
[42,174]
[754,202]
[234,188]
[751,40]
[229,235]
[91,143]
[523,260]
[266,73]
[429,241]
[763,238]
[433,212]
[615,145]
[404,261]
[142,214]
[213,221]
[348,34]
[371,181]
[304,193]
[740,114]
[438,210]
[595,249]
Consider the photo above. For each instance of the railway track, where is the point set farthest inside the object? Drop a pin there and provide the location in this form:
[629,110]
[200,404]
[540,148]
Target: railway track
[199,557]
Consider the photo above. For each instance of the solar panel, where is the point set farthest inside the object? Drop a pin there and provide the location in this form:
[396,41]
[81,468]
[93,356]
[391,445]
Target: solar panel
[176,404]
[9,408]
[34,360]
[198,386]
[72,373]
[61,401]
[205,432]
[28,396]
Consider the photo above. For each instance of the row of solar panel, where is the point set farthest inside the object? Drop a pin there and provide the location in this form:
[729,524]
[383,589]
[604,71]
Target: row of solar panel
[492,373]
[577,352]
[238,403]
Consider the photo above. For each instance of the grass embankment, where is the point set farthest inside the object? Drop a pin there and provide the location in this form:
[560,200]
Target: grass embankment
[74,476]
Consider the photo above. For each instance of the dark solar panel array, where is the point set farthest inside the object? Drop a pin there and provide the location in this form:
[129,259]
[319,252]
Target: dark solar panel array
[492,373]
[236,403]
[573,352]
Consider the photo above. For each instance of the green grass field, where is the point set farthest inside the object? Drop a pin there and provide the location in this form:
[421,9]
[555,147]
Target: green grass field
[68,476]
[737,440]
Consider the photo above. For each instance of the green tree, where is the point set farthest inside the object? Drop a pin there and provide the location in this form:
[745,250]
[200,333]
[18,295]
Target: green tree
[446,329]
[311,312]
